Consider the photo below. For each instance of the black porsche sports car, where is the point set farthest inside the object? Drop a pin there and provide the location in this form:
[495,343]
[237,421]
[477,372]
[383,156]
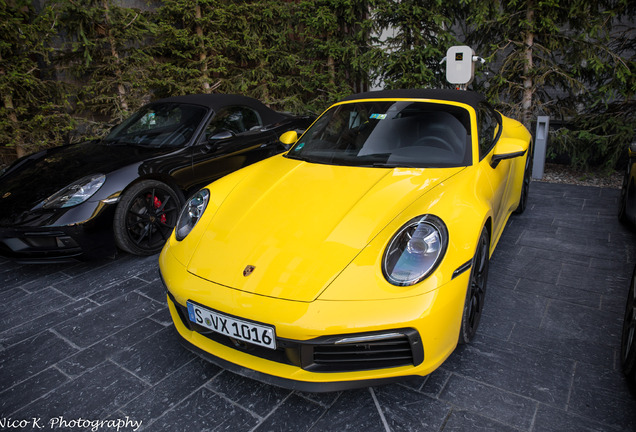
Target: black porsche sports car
[126,190]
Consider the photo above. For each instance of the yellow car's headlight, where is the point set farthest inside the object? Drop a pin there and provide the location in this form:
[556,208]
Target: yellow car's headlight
[415,250]
[191,213]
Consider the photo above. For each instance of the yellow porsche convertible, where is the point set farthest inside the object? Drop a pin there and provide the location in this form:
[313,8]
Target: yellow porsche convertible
[361,254]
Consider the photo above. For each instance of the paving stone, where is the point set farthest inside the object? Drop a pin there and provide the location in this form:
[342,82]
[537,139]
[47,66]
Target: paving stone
[558,256]
[465,421]
[93,395]
[499,278]
[163,316]
[599,235]
[102,321]
[294,414]
[151,274]
[515,306]
[355,410]
[588,279]
[155,357]
[30,390]
[204,410]
[489,401]
[154,290]
[430,385]
[23,308]
[407,410]
[111,274]
[564,344]
[565,204]
[492,326]
[255,396]
[112,292]
[582,323]
[550,419]
[542,269]
[108,348]
[44,322]
[576,245]
[46,281]
[176,387]
[601,393]
[15,275]
[31,357]
[324,399]
[614,302]
[528,372]
[560,292]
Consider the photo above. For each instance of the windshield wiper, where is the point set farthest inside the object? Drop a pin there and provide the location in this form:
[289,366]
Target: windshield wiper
[300,158]
[395,165]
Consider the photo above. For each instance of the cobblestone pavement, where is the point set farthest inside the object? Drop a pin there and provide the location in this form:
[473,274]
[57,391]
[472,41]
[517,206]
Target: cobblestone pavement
[93,342]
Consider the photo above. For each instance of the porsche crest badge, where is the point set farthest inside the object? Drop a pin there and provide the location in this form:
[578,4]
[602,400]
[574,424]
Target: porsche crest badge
[248,270]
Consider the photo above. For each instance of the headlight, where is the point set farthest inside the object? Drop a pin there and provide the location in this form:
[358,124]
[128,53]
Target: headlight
[415,250]
[75,193]
[191,214]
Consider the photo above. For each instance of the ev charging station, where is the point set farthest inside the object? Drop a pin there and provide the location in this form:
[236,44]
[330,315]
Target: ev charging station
[460,65]
[460,71]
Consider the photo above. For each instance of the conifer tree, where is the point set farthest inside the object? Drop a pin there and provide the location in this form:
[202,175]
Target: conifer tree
[194,38]
[414,37]
[104,52]
[559,58]
[32,110]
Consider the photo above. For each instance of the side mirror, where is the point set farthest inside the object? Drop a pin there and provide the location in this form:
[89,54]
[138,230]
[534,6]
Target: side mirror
[289,138]
[508,148]
[222,135]
[632,149]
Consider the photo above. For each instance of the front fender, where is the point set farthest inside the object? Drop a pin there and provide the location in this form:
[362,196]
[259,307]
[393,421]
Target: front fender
[465,214]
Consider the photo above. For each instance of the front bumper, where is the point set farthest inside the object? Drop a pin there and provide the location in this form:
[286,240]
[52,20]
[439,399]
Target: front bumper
[87,233]
[429,324]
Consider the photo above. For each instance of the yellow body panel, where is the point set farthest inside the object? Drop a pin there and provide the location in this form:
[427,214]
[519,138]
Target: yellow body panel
[287,240]
[315,235]
[428,313]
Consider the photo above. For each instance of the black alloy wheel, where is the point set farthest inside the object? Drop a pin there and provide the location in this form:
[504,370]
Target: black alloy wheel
[145,217]
[628,337]
[476,292]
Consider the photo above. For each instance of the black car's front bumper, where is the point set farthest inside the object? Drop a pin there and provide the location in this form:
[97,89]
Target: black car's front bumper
[88,233]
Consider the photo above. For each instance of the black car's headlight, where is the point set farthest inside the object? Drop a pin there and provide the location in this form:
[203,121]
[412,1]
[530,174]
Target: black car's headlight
[75,193]
[191,213]
[415,250]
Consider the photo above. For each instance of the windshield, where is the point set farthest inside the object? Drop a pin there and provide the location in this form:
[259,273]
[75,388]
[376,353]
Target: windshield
[388,134]
[159,125]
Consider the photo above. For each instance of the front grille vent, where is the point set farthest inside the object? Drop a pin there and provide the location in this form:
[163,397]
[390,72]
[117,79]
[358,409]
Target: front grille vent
[363,356]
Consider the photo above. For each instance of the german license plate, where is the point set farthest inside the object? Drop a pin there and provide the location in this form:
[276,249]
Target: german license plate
[236,328]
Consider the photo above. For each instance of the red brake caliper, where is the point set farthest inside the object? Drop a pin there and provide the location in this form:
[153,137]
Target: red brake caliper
[157,204]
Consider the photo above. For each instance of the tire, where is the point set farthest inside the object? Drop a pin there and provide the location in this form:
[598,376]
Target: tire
[628,335]
[476,291]
[145,217]
[525,188]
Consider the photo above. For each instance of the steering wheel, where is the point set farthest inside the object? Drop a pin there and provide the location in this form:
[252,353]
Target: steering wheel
[435,141]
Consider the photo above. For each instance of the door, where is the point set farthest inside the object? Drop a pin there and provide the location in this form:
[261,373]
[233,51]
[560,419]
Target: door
[234,138]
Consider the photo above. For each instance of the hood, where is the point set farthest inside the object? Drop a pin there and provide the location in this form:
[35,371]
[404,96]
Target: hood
[300,224]
[34,178]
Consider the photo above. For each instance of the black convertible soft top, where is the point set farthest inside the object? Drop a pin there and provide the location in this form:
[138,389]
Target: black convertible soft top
[463,96]
[216,101]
